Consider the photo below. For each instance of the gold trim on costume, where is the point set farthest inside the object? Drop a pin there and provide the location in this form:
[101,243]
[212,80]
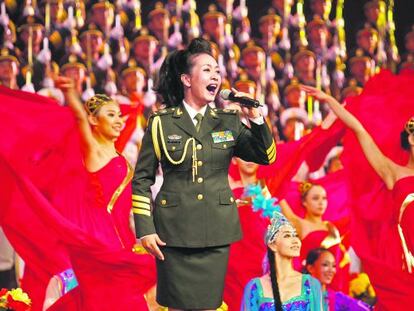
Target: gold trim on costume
[333,237]
[409,258]
[346,259]
[120,188]
[116,195]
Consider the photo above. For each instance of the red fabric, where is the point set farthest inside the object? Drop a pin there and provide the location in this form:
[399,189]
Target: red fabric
[384,106]
[234,171]
[68,302]
[323,142]
[246,255]
[134,111]
[54,212]
[291,155]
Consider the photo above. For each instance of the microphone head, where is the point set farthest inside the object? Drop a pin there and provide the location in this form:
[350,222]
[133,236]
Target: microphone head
[225,94]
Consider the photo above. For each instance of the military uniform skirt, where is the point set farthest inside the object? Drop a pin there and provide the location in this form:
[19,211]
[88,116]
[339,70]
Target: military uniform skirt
[192,278]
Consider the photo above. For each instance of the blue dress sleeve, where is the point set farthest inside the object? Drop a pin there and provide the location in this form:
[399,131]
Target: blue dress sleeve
[315,295]
[251,296]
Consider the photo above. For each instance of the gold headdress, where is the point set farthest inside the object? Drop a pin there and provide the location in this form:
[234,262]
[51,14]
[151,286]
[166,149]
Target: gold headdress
[409,126]
[94,103]
[304,187]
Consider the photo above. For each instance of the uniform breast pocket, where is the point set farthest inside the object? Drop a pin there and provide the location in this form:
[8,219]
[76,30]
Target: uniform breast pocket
[222,153]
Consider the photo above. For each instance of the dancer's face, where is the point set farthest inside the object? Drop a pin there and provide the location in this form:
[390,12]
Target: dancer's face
[324,268]
[287,243]
[316,201]
[203,81]
[108,121]
[247,168]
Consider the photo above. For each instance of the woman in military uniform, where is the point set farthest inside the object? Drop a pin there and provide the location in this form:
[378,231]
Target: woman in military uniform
[194,218]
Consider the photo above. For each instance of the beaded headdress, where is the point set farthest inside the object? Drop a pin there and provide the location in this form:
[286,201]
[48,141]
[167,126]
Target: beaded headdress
[409,126]
[96,102]
[278,220]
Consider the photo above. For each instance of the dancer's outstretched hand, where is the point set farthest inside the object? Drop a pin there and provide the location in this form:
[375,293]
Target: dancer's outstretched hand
[316,93]
[67,86]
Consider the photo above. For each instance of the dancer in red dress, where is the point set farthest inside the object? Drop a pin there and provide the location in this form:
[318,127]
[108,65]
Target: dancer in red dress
[315,232]
[75,194]
[381,190]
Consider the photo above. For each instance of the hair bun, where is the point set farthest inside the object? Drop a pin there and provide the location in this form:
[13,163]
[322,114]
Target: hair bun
[199,45]
[409,126]
[304,187]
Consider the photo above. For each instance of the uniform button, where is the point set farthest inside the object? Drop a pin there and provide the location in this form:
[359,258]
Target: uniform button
[173,148]
[163,202]
[199,197]
[199,147]
[231,200]
[200,180]
[200,163]
[224,146]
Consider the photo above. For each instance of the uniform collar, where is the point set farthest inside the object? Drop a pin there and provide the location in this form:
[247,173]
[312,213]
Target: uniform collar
[192,112]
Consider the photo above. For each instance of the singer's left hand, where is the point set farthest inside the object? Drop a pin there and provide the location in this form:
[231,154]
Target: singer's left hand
[251,112]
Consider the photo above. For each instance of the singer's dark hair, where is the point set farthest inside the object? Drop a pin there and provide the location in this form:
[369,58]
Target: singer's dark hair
[178,62]
[273,278]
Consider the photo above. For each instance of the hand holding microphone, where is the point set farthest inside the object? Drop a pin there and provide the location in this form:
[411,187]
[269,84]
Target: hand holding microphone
[242,100]
[249,105]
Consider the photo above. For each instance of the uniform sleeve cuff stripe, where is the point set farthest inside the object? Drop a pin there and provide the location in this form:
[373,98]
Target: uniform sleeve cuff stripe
[271,148]
[141,205]
[140,198]
[271,154]
[141,212]
[272,158]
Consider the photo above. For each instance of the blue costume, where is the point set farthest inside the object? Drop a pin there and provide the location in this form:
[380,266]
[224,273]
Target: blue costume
[308,300]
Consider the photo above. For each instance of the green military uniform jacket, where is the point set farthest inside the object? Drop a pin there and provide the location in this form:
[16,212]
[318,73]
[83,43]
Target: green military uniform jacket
[195,205]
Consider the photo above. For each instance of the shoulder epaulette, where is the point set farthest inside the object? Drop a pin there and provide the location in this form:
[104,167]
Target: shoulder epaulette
[164,111]
[225,111]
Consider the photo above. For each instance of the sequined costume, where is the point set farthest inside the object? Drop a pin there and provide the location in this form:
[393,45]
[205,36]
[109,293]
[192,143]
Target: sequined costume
[308,300]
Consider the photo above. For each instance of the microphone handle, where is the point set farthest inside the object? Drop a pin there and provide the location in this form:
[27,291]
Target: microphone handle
[244,101]
[247,102]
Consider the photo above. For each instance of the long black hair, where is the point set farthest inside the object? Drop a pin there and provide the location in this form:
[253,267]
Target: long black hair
[273,278]
[178,62]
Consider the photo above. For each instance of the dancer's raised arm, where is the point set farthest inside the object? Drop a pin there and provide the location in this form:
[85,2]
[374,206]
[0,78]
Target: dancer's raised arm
[385,168]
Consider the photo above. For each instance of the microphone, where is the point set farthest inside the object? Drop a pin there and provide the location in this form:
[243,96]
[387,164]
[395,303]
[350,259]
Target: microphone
[243,100]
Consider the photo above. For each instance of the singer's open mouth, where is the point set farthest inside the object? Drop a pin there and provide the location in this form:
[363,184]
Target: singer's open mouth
[212,88]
